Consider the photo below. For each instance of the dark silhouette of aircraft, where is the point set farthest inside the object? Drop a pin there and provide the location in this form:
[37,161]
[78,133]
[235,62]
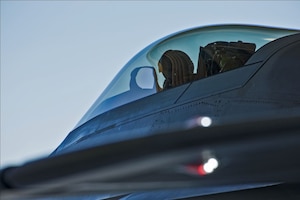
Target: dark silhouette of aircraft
[206,113]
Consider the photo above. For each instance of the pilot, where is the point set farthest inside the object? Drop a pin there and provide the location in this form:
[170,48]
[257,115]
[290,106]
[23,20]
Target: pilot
[177,68]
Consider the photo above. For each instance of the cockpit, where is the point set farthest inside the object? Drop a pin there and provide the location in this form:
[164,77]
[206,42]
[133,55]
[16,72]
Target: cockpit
[182,58]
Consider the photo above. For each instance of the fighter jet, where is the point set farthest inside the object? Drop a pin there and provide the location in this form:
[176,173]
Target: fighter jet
[206,113]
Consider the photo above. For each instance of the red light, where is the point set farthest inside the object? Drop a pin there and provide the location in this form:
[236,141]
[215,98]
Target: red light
[201,170]
[206,168]
[197,169]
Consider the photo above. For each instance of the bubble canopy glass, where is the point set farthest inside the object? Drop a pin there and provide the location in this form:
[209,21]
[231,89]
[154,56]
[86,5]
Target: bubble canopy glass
[141,76]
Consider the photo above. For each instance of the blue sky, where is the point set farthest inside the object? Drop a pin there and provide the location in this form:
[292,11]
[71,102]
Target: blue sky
[58,56]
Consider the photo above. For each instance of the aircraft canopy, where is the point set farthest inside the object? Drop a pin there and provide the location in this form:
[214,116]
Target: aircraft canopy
[181,58]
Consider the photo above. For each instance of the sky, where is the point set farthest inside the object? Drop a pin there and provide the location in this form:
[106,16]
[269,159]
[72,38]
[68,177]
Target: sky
[58,56]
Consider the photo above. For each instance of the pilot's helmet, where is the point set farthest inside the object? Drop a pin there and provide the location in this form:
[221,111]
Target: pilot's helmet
[176,67]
